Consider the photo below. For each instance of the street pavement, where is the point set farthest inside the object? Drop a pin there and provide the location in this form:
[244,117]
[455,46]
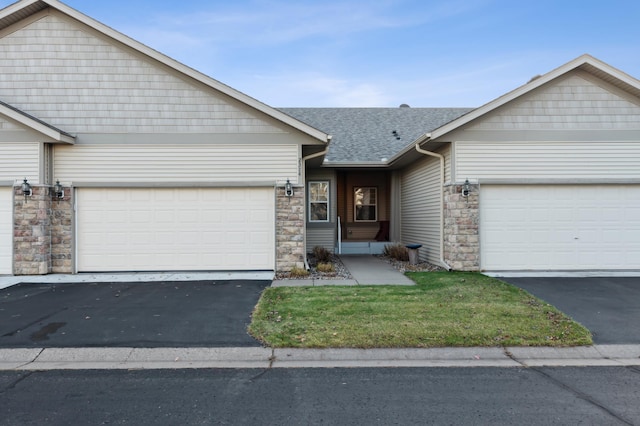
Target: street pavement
[323,396]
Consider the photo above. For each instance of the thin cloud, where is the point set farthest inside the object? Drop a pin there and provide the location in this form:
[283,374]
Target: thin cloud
[279,22]
[304,89]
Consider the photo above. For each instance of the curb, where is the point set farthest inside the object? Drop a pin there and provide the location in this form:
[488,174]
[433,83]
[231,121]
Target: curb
[30,359]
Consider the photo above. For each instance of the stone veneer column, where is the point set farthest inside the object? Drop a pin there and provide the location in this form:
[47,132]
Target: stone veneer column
[62,233]
[290,250]
[31,231]
[461,239]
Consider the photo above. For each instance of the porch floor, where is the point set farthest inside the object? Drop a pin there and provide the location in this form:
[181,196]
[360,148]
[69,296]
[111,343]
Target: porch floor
[361,247]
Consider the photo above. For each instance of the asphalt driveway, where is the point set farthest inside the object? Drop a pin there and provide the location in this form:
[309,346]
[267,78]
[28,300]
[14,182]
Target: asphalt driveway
[157,314]
[609,307]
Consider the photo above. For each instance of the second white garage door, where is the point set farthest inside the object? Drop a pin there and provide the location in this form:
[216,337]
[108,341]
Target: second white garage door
[182,229]
[6,229]
[560,227]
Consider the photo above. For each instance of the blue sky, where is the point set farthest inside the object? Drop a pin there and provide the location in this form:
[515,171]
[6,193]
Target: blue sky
[377,53]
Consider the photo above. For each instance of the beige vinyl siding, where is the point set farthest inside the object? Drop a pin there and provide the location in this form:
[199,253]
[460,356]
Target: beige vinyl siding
[446,152]
[20,160]
[323,237]
[420,207]
[76,79]
[323,234]
[176,163]
[578,101]
[6,125]
[548,160]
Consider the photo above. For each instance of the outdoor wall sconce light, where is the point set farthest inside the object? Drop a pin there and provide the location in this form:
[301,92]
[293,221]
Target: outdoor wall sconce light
[288,189]
[26,189]
[466,189]
[58,190]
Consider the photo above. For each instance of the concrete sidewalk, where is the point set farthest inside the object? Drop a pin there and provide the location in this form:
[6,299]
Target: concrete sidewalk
[365,270]
[264,358]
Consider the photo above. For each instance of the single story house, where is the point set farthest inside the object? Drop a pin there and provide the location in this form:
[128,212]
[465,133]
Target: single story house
[115,157]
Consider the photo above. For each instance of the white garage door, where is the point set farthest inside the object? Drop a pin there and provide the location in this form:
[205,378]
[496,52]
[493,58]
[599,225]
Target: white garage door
[560,227]
[186,229]
[6,230]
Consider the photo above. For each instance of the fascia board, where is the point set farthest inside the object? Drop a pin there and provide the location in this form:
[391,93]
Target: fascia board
[190,72]
[510,96]
[532,85]
[15,7]
[39,127]
[355,165]
[520,91]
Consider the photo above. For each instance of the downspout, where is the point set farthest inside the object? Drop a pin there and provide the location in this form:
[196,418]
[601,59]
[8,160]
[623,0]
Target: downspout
[427,138]
[304,179]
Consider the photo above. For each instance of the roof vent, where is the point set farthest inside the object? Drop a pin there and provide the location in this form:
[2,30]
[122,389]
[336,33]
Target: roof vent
[395,134]
[535,77]
[404,106]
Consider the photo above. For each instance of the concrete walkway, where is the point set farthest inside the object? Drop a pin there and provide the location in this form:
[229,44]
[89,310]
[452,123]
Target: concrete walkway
[190,358]
[365,270]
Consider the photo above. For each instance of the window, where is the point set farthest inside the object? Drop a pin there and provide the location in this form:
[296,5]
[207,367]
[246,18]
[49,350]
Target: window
[365,203]
[319,201]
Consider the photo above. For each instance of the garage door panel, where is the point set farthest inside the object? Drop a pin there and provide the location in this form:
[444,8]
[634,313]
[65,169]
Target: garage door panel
[175,229]
[560,227]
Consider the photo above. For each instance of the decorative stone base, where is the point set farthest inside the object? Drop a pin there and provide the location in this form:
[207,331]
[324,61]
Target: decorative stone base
[42,232]
[290,250]
[62,233]
[31,232]
[461,240]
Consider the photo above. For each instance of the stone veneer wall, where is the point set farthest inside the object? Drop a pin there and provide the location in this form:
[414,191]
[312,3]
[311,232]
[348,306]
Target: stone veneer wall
[31,231]
[290,250]
[461,220]
[62,233]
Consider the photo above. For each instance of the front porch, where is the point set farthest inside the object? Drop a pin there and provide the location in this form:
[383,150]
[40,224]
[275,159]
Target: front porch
[362,238]
[349,211]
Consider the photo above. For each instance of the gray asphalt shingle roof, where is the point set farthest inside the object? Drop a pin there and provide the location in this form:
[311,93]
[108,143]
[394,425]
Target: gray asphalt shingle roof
[366,134]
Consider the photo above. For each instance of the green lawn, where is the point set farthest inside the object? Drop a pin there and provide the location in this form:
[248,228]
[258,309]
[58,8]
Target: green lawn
[443,309]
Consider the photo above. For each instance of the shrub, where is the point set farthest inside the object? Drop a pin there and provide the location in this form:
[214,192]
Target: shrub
[325,267]
[321,254]
[397,251]
[297,272]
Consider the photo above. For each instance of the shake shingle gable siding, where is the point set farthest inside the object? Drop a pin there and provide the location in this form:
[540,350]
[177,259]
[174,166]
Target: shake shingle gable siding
[367,134]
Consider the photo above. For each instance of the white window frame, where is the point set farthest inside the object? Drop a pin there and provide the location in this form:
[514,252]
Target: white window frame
[355,203]
[310,202]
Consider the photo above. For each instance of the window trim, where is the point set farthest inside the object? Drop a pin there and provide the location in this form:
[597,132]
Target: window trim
[355,205]
[310,201]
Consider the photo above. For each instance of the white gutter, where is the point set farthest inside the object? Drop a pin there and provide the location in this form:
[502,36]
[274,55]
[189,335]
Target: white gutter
[304,179]
[427,138]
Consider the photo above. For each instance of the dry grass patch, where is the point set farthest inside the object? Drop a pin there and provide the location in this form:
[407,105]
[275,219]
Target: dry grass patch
[297,272]
[325,267]
[443,309]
